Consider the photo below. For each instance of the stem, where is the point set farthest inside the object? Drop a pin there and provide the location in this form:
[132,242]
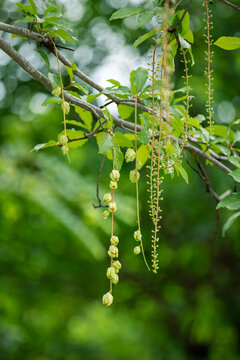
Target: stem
[137,190]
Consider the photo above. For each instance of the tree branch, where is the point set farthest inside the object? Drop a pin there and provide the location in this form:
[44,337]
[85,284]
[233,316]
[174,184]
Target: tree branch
[92,108]
[228,3]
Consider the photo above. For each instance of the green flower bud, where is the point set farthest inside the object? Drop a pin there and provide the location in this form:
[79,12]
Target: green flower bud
[113,185]
[65,149]
[117,265]
[115,279]
[114,240]
[65,107]
[107,299]
[56,91]
[63,140]
[112,206]
[134,176]
[105,214]
[130,155]
[110,272]
[137,250]
[113,251]
[107,198]
[115,175]
[137,235]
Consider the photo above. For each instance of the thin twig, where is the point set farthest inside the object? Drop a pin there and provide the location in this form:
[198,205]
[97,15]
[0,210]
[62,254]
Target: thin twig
[228,3]
[98,180]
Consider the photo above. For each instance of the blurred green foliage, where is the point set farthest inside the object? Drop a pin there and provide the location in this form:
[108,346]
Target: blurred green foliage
[53,242]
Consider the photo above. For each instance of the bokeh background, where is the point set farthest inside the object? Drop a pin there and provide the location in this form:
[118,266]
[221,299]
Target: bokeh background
[53,242]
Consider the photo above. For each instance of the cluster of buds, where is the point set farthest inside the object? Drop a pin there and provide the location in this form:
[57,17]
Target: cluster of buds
[114,176]
[65,107]
[113,270]
[63,140]
[138,237]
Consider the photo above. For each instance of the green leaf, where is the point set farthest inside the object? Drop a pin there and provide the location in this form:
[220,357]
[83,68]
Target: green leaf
[236,137]
[235,175]
[228,43]
[76,123]
[118,158]
[114,82]
[234,160]
[105,144]
[229,222]
[144,18]
[33,7]
[182,171]
[26,9]
[54,79]
[144,37]
[144,136]
[121,90]
[125,111]
[86,117]
[51,100]
[184,43]
[83,88]
[24,20]
[123,139]
[44,146]
[44,57]
[126,12]
[70,73]
[140,78]
[51,9]
[142,154]
[231,202]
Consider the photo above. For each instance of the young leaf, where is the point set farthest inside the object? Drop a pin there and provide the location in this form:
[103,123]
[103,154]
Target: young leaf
[118,157]
[55,80]
[33,7]
[126,12]
[44,57]
[231,202]
[44,146]
[51,100]
[142,154]
[140,78]
[105,144]
[144,18]
[144,37]
[125,111]
[235,175]
[229,222]
[85,116]
[228,43]
[182,171]
[70,73]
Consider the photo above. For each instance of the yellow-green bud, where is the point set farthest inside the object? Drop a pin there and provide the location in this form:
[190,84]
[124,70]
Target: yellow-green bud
[114,240]
[113,185]
[107,299]
[113,251]
[110,272]
[107,198]
[134,176]
[130,155]
[65,107]
[65,149]
[137,250]
[105,214]
[115,279]
[56,91]
[117,265]
[137,235]
[115,175]
[112,206]
[63,140]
